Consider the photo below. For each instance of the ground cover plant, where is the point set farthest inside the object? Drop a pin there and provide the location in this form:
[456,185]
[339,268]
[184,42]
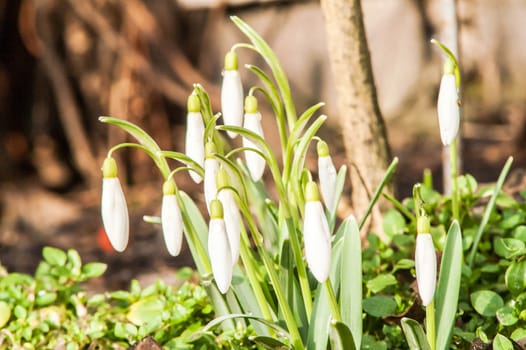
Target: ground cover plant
[277,269]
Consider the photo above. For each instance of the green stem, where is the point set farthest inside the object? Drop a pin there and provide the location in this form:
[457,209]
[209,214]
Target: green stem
[454,181]
[430,325]
[335,310]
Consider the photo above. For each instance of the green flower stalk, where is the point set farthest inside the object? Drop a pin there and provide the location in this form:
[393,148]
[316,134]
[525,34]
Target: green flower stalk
[448,105]
[232,93]
[252,122]
[171,219]
[219,247]
[211,166]
[113,206]
[328,176]
[231,212]
[195,130]
[316,234]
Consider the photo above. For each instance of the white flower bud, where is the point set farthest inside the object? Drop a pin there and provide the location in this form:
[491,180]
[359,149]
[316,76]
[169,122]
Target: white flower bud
[172,224]
[426,267]
[219,248]
[316,235]
[255,162]
[232,100]
[115,213]
[194,144]
[232,221]
[448,109]
[210,187]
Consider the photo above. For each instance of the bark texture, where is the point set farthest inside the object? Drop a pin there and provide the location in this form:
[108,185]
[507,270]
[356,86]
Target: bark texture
[364,132]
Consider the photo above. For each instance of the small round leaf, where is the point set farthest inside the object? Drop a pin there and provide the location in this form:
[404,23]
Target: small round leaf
[486,302]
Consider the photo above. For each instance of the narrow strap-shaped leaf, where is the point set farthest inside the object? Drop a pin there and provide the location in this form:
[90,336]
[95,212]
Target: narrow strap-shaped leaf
[218,320]
[448,287]
[318,336]
[341,337]
[414,335]
[340,182]
[270,343]
[351,280]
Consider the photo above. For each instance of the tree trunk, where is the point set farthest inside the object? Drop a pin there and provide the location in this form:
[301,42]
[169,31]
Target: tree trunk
[364,132]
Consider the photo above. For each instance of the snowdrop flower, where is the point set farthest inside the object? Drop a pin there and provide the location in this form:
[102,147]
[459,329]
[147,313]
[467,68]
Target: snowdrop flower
[252,122]
[219,248]
[232,93]
[316,234]
[171,219]
[231,213]
[448,105]
[425,261]
[113,206]
[195,130]
[327,174]
[211,165]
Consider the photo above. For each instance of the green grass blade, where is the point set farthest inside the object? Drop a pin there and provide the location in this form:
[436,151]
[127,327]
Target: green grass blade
[414,334]
[351,280]
[341,337]
[340,182]
[489,209]
[448,287]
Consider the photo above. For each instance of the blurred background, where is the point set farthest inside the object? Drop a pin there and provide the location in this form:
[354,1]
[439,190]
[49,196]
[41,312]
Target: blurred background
[64,63]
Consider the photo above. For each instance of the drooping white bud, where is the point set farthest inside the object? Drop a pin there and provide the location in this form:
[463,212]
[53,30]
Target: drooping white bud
[171,219]
[252,122]
[232,93]
[114,210]
[316,235]
[328,175]
[219,248]
[231,213]
[425,262]
[211,166]
[195,129]
[448,109]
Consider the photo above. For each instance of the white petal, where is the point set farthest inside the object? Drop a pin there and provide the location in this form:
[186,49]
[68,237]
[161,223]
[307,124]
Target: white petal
[172,223]
[194,141]
[255,163]
[328,175]
[232,221]
[448,109]
[211,166]
[232,99]
[317,240]
[115,213]
[220,254]
[426,267]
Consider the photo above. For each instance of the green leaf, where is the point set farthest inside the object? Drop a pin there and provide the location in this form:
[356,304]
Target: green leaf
[518,334]
[486,302]
[403,264]
[351,279]
[270,343]
[5,313]
[506,316]
[448,286]
[94,269]
[54,256]
[414,334]
[145,310]
[393,223]
[44,298]
[500,342]
[340,182]
[379,306]
[341,337]
[381,282]
[319,322]
[520,233]
[515,277]
[508,247]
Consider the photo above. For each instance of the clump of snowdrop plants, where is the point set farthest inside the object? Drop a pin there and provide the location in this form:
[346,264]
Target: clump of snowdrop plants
[279,264]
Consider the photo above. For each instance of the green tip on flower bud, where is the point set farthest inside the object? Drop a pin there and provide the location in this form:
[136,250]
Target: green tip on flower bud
[231,60]
[109,168]
[216,209]
[251,104]
[210,149]
[449,67]
[322,148]
[221,178]
[312,194]
[423,225]
[194,105]
[169,187]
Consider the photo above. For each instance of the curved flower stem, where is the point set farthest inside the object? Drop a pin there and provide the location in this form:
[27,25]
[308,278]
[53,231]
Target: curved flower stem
[333,304]
[430,325]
